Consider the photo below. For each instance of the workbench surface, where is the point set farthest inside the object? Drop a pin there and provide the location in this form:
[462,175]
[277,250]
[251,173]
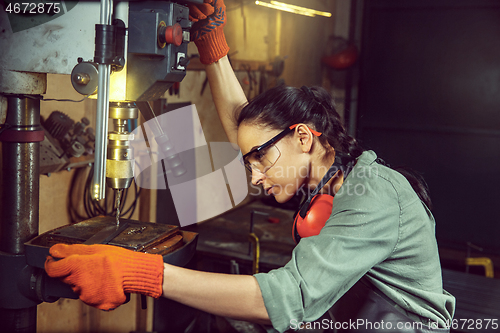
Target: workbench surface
[227,236]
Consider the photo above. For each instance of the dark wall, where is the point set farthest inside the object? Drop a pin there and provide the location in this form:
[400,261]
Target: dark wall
[430,99]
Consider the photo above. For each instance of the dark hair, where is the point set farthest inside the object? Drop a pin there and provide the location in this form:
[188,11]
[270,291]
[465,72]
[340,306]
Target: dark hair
[283,106]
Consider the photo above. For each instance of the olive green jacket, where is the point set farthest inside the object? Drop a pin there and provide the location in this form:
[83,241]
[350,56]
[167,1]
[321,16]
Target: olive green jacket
[379,230]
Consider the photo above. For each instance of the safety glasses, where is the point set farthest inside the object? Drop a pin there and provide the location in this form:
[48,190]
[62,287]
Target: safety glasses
[263,158]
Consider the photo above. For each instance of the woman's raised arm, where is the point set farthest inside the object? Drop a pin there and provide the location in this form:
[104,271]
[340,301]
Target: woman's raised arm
[227,94]
[207,33]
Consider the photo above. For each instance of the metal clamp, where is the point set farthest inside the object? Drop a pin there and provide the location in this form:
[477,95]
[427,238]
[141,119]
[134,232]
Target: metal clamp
[110,44]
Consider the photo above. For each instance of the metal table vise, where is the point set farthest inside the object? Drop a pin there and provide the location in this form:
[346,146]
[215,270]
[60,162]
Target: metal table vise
[24,283]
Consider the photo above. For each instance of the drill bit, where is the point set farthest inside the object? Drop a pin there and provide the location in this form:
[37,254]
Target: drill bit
[118,195]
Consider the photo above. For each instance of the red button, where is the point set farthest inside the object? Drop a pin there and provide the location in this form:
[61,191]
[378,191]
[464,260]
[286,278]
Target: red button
[173,34]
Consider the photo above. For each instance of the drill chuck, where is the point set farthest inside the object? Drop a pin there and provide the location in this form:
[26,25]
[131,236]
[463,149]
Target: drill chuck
[120,154]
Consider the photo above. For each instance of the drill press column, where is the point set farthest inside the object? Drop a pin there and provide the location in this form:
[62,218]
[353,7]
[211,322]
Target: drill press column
[20,197]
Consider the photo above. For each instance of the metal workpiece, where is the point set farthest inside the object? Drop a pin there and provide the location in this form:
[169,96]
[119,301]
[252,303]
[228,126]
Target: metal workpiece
[175,245]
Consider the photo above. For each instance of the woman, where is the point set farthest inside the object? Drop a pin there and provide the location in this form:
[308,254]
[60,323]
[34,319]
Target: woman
[374,266]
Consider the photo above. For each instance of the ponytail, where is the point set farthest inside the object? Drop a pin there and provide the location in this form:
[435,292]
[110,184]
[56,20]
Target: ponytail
[416,181]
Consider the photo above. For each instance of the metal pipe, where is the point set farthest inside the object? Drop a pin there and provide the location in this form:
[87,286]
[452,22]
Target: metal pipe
[106,11]
[101,141]
[102,113]
[18,320]
[20,197]
[20,178]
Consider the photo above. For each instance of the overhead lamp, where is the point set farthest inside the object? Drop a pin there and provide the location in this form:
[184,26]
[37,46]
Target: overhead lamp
[293,9]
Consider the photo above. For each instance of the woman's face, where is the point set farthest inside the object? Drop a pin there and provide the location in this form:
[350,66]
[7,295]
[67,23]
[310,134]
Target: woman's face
[291,168]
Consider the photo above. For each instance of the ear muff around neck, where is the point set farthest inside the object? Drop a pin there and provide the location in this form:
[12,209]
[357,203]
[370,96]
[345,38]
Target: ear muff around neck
[318,213]
[315,211]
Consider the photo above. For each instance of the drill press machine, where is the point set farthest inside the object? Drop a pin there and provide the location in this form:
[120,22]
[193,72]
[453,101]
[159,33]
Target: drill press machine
[127,53]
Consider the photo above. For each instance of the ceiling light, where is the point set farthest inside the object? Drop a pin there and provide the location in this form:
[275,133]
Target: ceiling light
[293,9]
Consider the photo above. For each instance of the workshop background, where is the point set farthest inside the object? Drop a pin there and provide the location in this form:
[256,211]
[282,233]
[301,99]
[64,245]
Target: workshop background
[258,37]
[417,81]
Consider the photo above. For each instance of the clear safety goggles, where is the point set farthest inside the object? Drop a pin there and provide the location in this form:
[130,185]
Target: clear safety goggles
[263,158]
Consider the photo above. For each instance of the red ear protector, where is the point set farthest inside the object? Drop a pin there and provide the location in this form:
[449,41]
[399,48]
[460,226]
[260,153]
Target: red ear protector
[315,219]
[315,211]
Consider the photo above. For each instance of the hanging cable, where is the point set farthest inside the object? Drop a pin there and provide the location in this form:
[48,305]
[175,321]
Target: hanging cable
[93,207]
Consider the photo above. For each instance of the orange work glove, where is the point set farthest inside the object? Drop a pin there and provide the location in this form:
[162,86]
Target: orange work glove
[102,274]
[207,31]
